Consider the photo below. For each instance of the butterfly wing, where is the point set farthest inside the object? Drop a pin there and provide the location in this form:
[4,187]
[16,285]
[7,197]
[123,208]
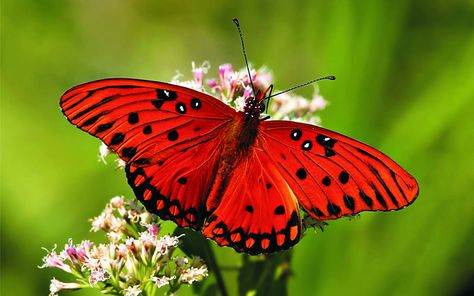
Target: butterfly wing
[257,212]
[145,122]
[333,175]
[168,135]
[176,189]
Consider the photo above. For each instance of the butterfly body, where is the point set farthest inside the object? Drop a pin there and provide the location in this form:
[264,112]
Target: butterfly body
[239,138]
[240,180]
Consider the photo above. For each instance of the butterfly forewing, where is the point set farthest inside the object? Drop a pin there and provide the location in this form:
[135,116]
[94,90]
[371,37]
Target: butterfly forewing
[333,175]
[145,122]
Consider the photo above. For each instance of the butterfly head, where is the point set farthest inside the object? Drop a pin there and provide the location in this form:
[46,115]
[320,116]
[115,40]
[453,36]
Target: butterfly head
[256,105]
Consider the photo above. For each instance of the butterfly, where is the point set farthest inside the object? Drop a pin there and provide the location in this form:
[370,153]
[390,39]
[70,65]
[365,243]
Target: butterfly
[240,179]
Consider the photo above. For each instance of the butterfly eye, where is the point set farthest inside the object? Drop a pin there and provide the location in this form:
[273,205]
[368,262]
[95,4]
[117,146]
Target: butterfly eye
[261,107]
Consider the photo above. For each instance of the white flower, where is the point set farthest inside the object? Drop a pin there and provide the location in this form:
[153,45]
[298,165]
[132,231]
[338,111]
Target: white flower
[122,250]
[55,286]
[198,73]
[98,275]
[117,224]
[153,229]
[117,202]
[83,250]
[239,104]
[166,242]
[181,261]
[91,263]
[104,150]
[120,164]
[145,218]
[53,259]
[133,291]
[114,237]
[162,280]
[263,78]
[317,103]
[147,239]
[99,222]
[194,274]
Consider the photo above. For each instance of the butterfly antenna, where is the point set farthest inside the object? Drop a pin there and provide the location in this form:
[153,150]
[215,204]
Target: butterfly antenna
[236,22]
[304,84]
[268,97]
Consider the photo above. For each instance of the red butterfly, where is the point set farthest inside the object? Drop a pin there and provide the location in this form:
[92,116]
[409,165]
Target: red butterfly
[194,160]
[239,179]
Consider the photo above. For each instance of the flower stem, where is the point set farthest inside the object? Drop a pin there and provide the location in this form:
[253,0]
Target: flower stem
[212,263]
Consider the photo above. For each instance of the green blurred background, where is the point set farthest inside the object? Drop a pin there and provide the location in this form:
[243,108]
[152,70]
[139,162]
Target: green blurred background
[405,85]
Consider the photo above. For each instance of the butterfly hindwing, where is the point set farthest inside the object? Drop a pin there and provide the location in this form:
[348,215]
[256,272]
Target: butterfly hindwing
[176,189]
[333,175]
[258,212]
[144,122]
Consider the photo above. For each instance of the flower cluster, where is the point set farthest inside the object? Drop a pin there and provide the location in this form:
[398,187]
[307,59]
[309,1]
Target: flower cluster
[233,87]
[136,258]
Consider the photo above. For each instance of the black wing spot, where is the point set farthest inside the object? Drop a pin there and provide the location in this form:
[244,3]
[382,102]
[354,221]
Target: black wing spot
[333,209]
[349,202]
[344,177]
[93,119]
[196,104]
[182,180]
[269,185]
[166,95]
[129,152]
[157,103]
[296,134]
[147,130]
[249,209]
[133,118]
[173,135]
[104,127]
[181,108]
[367,200]
[280,210]
[326,181]
[327,143]
[142,161]
[89,109]
[380,198]
[117,139]
[301,173]
[317,212]
[307,145]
